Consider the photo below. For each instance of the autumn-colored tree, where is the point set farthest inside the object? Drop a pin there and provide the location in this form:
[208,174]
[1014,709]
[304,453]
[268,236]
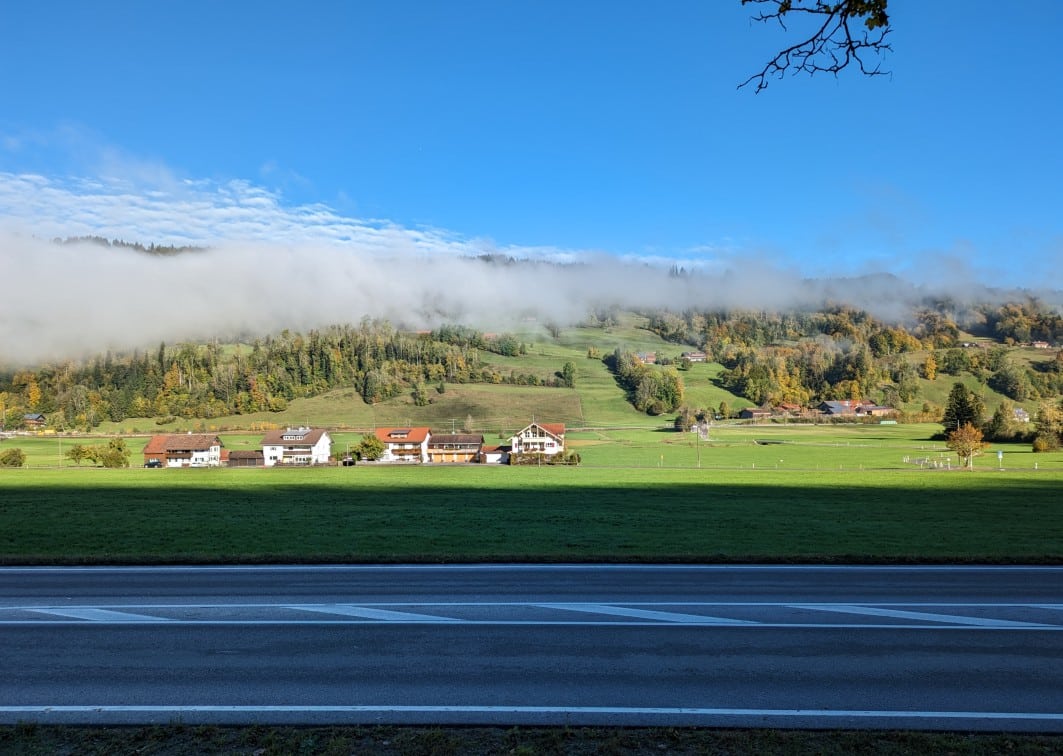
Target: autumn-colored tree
[967,442]
[930,367]
[33,394]
[371,448]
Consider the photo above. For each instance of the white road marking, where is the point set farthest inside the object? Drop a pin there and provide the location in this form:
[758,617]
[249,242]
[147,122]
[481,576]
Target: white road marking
[562,710]
[382,615]
[950,619]
[620,611]
[628,614]
[96,615]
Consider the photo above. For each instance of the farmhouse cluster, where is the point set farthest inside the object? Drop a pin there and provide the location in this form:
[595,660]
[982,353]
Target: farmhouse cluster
[845,408]
[313,446]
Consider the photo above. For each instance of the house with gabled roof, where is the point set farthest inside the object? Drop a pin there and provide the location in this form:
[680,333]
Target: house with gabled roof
[848,407]
[243,458]
[455,447]
[844,407]
[183,450]
[407,444]
[296,446]
[755,413]
[495,454]
[539,438]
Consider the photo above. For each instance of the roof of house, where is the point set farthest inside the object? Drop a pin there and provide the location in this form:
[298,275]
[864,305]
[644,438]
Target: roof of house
[181,442]
[455,438]
[293,437]
[840,407]
[244,454]
[554,429]
[403,435]
[33,416]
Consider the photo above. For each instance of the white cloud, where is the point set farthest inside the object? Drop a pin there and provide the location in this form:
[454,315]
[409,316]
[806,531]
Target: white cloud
[272,266]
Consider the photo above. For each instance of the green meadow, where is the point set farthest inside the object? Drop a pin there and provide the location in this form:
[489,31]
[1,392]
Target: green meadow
[643,492]
[867,493]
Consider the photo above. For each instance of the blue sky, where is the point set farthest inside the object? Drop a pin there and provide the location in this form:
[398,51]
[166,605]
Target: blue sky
[544,128]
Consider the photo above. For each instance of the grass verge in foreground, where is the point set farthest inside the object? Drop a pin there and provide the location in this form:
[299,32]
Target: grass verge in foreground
[265,741]
[560,514]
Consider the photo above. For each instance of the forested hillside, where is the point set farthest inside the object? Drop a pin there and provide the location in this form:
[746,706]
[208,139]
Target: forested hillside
[845,353]
[211,380]
[802,358]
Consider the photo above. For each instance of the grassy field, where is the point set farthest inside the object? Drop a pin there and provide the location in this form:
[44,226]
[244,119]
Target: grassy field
[745,492]
[729,445]
[478,513]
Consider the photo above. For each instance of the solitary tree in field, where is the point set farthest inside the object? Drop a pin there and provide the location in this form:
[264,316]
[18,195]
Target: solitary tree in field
[568,375]
[963,407]
[967,442]
[836,34]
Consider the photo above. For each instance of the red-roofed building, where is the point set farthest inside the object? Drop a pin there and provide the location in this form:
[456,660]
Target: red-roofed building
[407,444]
[183,450]
[539,438]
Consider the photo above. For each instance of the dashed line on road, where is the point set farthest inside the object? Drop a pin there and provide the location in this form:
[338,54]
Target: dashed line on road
[97,615]
[363,612]
[949,619]
[620,611]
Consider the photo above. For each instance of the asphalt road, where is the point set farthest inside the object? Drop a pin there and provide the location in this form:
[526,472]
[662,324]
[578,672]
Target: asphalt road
[882,647]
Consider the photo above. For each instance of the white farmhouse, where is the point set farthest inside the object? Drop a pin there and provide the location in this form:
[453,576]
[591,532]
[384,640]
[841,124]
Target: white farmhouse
[296,446]
[539,438]
[183,450]
[407,444]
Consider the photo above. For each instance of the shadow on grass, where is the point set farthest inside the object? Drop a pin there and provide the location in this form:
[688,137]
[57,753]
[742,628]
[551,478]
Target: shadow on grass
[972,519]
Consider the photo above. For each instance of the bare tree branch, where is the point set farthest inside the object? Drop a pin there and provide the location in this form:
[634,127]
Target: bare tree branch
[834,45]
